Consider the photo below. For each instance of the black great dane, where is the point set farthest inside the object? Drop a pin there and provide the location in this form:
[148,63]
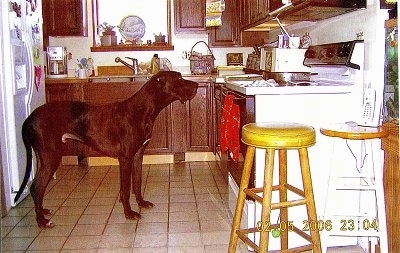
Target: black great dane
[121,130]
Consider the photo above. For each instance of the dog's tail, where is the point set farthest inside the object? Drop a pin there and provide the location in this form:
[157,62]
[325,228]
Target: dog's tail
[28,147]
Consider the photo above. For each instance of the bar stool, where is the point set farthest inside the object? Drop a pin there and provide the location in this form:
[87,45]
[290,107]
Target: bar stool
[364,179]
[276,136]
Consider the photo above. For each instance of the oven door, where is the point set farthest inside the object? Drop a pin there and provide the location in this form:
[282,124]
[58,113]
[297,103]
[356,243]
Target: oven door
[247,115]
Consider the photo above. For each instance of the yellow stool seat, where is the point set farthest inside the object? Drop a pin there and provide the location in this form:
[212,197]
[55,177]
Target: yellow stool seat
[278,135]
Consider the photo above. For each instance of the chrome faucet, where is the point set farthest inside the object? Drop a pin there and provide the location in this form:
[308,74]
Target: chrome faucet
[134,65]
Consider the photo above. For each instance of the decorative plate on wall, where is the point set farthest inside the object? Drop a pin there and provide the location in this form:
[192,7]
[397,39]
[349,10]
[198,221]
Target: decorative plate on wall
[132,28]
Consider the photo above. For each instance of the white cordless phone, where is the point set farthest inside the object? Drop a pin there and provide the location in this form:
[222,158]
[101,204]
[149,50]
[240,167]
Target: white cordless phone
[370,112]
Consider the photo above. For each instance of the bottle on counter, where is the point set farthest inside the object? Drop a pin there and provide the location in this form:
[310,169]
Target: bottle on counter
[155,64]
[306,40]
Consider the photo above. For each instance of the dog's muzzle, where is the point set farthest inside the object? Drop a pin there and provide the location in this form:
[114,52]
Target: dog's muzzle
[189,91]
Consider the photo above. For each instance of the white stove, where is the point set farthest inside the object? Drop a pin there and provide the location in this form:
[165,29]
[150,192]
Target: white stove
[335,68]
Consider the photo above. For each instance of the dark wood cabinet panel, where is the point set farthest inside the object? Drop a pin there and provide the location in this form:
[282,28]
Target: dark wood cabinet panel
[105,93]
[161,140]
[251,11]
[190,16]
[67,92]
[65,18]
[259,9]
[199,125]
[217,116]
[244,13]
[64,92]
[275,4]
[235,16]
[228,33]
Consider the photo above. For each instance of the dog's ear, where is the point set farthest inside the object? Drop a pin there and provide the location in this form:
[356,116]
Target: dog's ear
[161,80]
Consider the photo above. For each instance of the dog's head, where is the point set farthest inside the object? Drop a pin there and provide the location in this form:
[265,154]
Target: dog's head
[172,84]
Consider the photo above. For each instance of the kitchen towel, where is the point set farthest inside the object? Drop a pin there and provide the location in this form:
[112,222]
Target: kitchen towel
[230,127]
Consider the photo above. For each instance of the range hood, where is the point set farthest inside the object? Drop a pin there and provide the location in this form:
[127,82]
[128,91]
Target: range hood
[314,10]
[307,11]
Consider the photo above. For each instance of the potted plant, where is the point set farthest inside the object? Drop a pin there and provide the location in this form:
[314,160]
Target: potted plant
[392,78]
[108,37]
[159,39]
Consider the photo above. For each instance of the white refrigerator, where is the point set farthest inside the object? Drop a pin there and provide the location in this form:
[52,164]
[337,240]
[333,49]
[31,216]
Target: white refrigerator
[21,85]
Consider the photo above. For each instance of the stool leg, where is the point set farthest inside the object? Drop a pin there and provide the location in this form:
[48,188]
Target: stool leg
[267,198]
[283,195]
[309,195]
[244,183]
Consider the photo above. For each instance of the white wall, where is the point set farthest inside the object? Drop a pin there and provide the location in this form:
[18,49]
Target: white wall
[80,47]
[370,22]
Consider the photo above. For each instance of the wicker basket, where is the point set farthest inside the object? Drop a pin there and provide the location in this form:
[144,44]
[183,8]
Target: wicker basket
[201,64]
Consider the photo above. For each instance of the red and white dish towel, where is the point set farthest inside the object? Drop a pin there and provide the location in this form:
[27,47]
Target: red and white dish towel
[230,127]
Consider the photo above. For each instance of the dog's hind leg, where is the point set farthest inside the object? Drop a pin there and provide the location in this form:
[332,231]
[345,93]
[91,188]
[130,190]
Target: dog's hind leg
[49,162]
[125,168]
[137,179]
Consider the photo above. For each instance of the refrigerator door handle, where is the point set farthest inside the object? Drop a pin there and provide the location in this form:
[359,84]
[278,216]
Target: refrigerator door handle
[30,69]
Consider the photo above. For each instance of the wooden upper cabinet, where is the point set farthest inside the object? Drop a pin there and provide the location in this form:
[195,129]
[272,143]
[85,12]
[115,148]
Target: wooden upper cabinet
[275,4]
[65,18]
[244,13]
[190,16]
[259,9]
[228,33]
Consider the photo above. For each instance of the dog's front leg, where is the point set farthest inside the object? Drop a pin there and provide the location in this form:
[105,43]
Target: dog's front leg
[137,179]
[125,167]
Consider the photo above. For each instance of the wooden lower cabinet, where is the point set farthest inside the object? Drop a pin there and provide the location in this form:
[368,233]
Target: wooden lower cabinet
[391,179]
[199,129]
[178,128]
[64,92]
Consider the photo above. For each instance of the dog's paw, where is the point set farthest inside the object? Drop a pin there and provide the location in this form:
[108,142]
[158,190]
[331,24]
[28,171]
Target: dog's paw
[46,224]
[132,215]
[47,212]
[145,204]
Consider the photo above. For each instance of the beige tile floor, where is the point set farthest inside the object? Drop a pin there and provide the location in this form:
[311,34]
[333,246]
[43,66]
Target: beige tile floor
[190,214]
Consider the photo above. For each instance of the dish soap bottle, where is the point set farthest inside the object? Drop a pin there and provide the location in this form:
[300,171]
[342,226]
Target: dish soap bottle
[155,64]
[306,40]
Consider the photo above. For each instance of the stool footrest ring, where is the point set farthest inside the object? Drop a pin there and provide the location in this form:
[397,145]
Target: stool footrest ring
[242,234]
[253,193]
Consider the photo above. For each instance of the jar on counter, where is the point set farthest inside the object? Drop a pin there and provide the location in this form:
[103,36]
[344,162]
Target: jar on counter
[306,40]
[155,64]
